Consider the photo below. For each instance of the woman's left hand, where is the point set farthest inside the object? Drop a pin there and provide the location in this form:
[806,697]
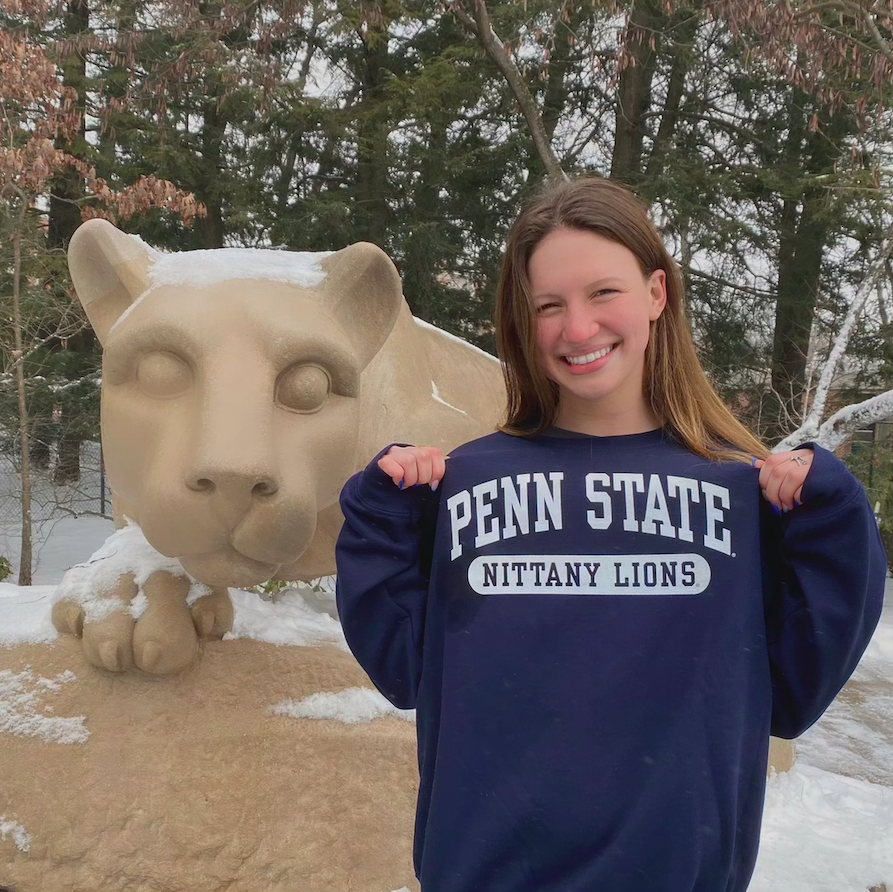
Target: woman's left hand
[782,476]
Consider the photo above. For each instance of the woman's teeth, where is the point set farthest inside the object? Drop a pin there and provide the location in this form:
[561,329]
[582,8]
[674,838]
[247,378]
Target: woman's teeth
[589,357]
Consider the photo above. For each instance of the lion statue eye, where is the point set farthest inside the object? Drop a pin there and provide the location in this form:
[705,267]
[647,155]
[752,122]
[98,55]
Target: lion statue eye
[163,375]
[303,388]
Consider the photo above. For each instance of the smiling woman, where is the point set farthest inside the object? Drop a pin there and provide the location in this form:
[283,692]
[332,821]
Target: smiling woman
[597,615]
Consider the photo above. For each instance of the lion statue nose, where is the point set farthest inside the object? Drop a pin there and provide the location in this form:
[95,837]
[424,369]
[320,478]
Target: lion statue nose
[230,484]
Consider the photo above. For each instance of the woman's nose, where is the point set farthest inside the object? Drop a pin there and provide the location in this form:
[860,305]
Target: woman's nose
[580,325]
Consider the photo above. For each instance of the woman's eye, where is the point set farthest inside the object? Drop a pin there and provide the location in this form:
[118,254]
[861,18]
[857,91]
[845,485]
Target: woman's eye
[162,375]
[542,308]
[303,388]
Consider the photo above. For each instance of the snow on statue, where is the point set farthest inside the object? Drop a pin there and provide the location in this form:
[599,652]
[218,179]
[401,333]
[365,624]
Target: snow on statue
[241,388]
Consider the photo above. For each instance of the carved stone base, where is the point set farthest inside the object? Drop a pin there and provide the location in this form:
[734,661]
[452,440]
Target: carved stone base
[188,783]
[781,754]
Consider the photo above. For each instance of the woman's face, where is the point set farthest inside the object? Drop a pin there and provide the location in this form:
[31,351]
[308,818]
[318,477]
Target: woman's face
[594,310]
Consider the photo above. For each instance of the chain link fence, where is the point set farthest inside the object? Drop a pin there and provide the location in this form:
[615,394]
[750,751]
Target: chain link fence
[68,519]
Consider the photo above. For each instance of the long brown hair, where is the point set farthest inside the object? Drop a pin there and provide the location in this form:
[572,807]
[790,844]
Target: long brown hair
[676,388]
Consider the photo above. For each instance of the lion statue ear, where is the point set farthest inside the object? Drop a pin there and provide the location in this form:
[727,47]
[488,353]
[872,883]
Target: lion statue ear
[364,294]
[109,269]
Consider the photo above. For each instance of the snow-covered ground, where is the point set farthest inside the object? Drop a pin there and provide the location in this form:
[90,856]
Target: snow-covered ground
[828,824]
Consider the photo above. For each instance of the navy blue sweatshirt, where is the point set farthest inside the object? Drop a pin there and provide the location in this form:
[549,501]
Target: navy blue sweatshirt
[599,635]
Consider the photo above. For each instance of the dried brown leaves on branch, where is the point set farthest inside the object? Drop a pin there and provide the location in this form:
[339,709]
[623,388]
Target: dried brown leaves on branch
[37,114]
[822,46]
[144,194]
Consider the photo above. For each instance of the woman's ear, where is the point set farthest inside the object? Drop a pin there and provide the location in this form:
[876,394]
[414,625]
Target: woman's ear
[657,286]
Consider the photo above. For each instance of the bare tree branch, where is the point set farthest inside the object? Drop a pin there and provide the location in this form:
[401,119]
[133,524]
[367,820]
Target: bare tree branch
[494,47]
[725,283]
[838,428]
[880,43]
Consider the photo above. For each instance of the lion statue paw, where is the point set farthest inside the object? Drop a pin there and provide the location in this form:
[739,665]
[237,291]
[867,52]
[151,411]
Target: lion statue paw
[132,607]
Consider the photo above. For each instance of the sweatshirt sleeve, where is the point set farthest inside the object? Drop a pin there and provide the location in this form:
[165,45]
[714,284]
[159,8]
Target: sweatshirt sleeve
[382,558]
[825,569]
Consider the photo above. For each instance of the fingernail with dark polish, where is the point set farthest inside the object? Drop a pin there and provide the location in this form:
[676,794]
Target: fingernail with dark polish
[776,510]
[400,485]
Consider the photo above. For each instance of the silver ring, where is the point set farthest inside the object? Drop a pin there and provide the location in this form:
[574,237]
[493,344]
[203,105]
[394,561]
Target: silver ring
[799,459]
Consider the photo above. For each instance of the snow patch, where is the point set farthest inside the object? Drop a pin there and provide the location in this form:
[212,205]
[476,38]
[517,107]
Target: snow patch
[436,394]
[295,617]
[25,614]
[299,616]
[824,833]
[880,647]
[200,268]
[20,708]
[197,590]
[92,583]
[15,831]
[138,605]
[353,706]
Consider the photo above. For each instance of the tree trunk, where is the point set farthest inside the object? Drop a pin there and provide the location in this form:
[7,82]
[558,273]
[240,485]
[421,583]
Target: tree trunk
[420,266]
[210,228]
[556,93]
[372,214]
[65,215]
[25,557]
[634,92]
[801,247]
[683,38]
[68,460]
[803,233]
[67,186]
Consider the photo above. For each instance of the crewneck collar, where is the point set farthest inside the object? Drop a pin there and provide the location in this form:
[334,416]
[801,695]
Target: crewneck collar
[621,441]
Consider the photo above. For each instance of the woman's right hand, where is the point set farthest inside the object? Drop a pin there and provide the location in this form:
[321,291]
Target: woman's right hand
[414,465]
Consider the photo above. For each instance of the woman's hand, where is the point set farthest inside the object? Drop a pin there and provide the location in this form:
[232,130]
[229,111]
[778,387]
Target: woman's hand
[782,476]
[414,465]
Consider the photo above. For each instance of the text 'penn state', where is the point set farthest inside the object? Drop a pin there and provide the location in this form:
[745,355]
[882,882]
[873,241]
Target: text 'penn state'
[673,507]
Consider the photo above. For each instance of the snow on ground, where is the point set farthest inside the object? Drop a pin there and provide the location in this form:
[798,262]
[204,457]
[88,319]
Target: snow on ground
[824,833]
[15,831]
[24,616]
[828,823]
[353,706]
[298,615]
[22,713]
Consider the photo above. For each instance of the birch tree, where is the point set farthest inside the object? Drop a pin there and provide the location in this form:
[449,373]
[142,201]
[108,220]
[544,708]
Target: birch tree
[835,430]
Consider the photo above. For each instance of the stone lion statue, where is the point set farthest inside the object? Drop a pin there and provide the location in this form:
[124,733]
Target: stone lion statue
[240,389]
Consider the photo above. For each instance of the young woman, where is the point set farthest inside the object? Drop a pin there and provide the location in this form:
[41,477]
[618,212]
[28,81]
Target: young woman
[598,616]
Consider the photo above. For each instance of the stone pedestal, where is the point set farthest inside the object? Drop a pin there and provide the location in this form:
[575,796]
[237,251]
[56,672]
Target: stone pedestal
[189,783]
